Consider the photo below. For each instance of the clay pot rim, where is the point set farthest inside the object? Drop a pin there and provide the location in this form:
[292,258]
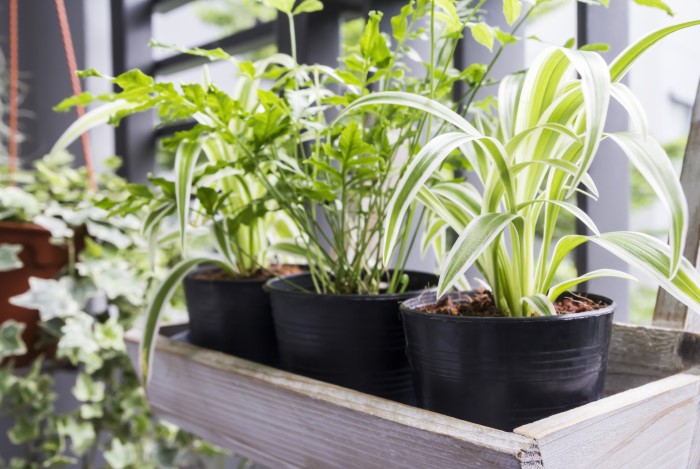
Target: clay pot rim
[23,226]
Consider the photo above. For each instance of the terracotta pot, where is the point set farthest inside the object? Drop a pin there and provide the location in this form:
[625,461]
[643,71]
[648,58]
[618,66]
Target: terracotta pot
[41,259]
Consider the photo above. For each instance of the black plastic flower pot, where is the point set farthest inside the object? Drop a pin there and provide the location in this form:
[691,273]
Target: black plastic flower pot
[232,316]
[355,341]
[505,372]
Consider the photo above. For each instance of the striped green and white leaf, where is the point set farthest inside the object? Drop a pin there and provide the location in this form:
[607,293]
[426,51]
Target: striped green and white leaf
[185,161]
[94,118]
[161,298]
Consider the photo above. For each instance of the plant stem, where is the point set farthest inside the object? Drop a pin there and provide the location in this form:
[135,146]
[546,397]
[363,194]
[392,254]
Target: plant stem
[292,37]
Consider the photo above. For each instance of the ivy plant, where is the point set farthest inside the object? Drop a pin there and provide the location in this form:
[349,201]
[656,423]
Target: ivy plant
[84,314]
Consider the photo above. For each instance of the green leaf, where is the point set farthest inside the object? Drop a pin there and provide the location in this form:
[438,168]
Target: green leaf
[566,285]
[652,256]
[120,455]
[542,305]
[9,257]
[421,168]
[95,118]
[596,47]
[88,390]
[285,6]
[156,306]
[11,343]
[133,79]
[83,99]
[472,242]
[208,198]
[651,161]
[185,161]
[504,38]
[511,10]
[623,62]
[351,144]
[656,4]
[373,45]
[399,23]
[52,298]
[483,34]
[308,6]
[139,190]
[211,54]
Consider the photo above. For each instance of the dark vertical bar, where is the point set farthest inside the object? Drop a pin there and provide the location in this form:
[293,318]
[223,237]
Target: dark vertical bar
[317,36]
[131,31]
[581,254]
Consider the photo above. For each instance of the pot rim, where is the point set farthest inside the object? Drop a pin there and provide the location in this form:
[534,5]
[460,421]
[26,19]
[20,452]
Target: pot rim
[23,226]
[202,267]
[272,285]
[409,310]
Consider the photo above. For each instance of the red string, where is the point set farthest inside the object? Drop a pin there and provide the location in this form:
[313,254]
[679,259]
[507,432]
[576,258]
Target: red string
[75,82]
[14,85]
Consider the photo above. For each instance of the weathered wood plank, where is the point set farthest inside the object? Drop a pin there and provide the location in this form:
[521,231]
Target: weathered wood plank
[670,312]
[648,427]
[642,354]
[284,420]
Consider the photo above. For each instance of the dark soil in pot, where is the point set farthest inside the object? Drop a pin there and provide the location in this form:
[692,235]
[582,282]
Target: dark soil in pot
[41,259]
[232,315]
[355,341]
[505,372]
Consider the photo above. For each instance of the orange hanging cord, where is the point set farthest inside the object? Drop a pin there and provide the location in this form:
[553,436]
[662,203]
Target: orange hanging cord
[14,85]
[75,82]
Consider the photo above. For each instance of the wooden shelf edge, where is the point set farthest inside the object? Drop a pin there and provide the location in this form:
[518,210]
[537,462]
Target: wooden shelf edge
[285,420]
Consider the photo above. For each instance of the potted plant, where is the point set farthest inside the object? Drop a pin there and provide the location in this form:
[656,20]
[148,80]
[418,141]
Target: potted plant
[212,192]
[527,347]
[340,322]
[41,230]
[83,314]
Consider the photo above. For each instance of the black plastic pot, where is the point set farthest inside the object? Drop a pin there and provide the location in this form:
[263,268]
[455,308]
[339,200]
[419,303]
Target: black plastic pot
[232,316]
[355,341]
[507,372]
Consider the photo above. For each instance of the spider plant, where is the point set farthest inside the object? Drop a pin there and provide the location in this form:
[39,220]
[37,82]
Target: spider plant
[550,127]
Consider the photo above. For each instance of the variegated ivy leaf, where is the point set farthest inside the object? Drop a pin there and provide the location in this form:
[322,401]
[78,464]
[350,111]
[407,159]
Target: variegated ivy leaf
[59,229]
[78,342]
[17,203]
[9,257]
[120,455]
[88,390]
[81,434]
[11,343]
[52,298]
[115,277]
[110,335]
[108,234]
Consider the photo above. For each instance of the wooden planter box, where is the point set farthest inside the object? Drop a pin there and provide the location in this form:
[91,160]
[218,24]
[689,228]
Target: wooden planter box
[650,419]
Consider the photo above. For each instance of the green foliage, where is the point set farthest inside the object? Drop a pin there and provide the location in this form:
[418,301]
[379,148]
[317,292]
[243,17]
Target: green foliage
[83,316]
[9,257]
[550,128]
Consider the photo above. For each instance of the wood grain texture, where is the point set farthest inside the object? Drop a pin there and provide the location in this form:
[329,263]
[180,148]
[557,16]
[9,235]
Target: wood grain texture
[642,354]
[670,312]
[649,427]
[283,420]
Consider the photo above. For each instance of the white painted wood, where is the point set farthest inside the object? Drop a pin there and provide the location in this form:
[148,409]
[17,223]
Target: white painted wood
[648,427]
[283,420]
